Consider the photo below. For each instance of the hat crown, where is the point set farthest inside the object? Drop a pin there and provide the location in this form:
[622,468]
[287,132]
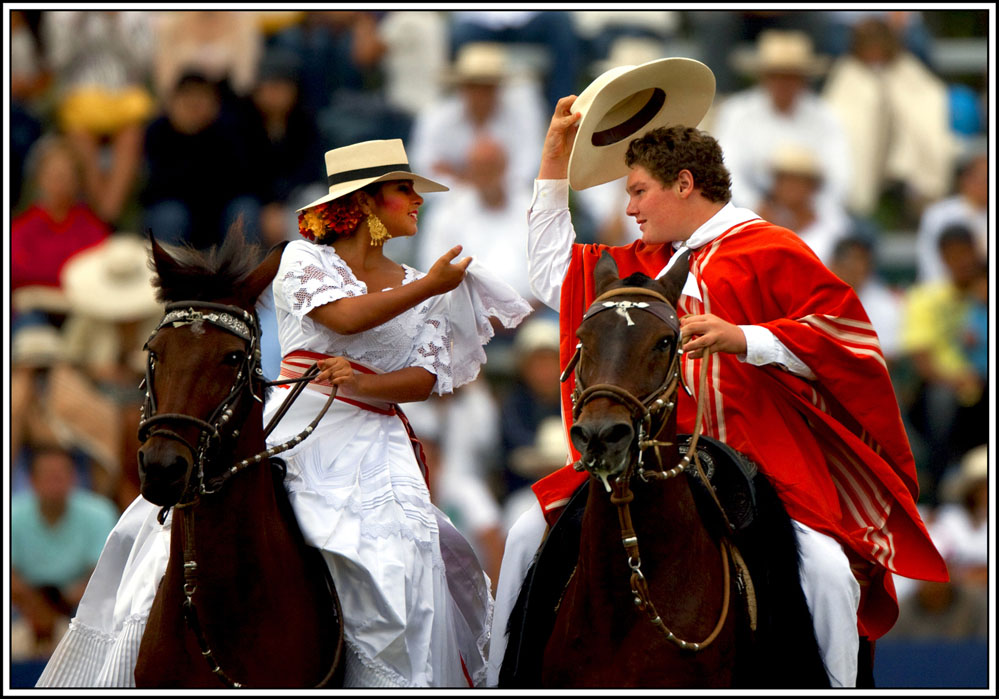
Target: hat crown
[480,61]
[790,50]
[796,159]
[364,156]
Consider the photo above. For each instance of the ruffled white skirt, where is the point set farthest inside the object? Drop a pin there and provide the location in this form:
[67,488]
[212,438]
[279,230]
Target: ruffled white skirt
[416,602]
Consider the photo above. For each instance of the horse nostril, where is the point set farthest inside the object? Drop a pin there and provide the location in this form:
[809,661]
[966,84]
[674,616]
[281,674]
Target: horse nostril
[616,435]
[580,436]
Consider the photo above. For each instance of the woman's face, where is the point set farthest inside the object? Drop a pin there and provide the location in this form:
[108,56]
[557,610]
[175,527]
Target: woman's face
[397,204]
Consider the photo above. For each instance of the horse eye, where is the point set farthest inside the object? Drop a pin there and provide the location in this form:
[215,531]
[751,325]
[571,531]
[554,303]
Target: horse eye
[234,358]
[665,344]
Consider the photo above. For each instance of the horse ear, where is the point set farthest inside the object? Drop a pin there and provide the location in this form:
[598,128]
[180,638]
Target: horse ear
[673,281]
[263,275]
[604,273]
[161,260]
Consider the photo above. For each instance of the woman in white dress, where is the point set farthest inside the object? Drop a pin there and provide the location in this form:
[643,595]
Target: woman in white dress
[416,603]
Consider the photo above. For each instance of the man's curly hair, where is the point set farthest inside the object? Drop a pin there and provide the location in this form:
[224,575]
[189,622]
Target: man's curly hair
[665,151]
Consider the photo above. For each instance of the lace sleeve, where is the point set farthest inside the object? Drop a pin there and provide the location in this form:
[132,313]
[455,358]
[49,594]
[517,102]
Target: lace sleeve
[432,348]
[315,277]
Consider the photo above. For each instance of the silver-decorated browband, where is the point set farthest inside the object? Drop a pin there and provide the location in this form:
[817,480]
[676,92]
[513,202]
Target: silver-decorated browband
[226,321]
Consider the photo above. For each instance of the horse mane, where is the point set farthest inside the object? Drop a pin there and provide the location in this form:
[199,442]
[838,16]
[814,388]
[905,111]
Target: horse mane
[206,275]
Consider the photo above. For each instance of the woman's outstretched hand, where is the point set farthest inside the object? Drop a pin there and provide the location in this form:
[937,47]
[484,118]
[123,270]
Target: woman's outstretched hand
[443,275]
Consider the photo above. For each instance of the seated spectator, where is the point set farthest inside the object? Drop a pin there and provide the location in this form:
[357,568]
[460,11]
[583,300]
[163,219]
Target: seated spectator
[29,80]
[951,391]
[533,396]
[533,462]
[896,115]
[57,225]
[199,174]
[102,62]
[793,201]
[854,262]
[486,101]
[485,217]
[782,108]
[960,526]
[942,611]
[57,531]
[968,206]
[284,140]
[552,31]
[222,45]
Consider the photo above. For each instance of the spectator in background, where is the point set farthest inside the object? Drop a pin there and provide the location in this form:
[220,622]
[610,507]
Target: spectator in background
[782,108]
[896,115]
[222,45]
[29,78]
[485,216]
[199,175]
[719,33]
[967,206]
[101,61]
[551,31]
[486,101]
[533,397]
[57,225]
[793,200]
[951,391]
[57,531]
[531,463]
[283,139]
[853,260]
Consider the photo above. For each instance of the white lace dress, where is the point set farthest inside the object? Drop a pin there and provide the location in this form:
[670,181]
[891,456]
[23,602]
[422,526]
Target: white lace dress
[416,602]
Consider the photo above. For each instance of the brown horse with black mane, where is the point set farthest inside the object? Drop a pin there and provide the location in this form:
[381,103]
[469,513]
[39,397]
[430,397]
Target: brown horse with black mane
[244,600]
[650,578]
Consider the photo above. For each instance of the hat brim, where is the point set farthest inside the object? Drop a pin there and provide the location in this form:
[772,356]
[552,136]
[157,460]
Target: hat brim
[420,183]
[629,101]
[91,290]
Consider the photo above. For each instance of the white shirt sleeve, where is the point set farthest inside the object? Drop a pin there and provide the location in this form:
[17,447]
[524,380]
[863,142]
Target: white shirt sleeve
[549,240]
[763,347]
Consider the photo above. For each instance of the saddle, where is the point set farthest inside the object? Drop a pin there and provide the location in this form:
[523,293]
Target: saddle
[731,476]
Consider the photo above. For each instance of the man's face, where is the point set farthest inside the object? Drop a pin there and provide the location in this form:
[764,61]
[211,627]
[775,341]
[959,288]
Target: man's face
[656,208]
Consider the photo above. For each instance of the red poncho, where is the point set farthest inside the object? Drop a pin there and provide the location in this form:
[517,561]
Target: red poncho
[834,447]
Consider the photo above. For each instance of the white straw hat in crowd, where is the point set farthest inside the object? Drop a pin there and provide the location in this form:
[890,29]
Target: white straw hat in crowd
[630,51]
[549,452]
[481,63]
[38,345]
[626,102]
[973,470]
[355,166]
[536,334]
[796,159]
[112,281]
[779,51]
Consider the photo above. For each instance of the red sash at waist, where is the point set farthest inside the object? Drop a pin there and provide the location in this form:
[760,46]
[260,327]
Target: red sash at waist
[294,365]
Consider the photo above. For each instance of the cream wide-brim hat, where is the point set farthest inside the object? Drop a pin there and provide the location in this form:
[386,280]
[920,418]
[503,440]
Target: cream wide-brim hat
[355,166]
[779,51]
[628,101]
[112,281]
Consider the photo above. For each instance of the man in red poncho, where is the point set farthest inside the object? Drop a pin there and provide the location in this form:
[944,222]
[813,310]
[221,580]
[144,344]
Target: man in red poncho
[796,378]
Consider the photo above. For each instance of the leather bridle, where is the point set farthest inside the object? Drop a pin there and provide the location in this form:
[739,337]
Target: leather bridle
[248,385]
[649,415]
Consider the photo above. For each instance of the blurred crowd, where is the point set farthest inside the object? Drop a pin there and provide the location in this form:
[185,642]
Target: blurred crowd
[841,125]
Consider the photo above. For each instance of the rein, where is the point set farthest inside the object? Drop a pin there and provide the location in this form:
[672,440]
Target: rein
[249,379]
[643,411]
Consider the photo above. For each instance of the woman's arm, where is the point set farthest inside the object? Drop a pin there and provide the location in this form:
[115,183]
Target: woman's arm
[402,386]
[354,314]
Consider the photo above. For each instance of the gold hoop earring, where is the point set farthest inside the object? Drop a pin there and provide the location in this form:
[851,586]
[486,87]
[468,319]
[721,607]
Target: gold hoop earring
[377,230]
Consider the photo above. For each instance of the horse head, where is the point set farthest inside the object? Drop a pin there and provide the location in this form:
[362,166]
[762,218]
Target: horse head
[626,366]
[203,364]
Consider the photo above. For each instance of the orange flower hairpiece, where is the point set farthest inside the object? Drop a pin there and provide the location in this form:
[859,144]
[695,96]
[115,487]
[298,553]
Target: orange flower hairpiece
[338,217]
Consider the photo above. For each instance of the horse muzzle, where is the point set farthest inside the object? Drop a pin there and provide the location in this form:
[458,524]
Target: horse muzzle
[604,446]
[164,470]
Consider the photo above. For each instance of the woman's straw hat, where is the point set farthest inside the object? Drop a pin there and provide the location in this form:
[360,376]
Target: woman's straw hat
[628,101]
[112,281]
[780,51]
[355,166]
